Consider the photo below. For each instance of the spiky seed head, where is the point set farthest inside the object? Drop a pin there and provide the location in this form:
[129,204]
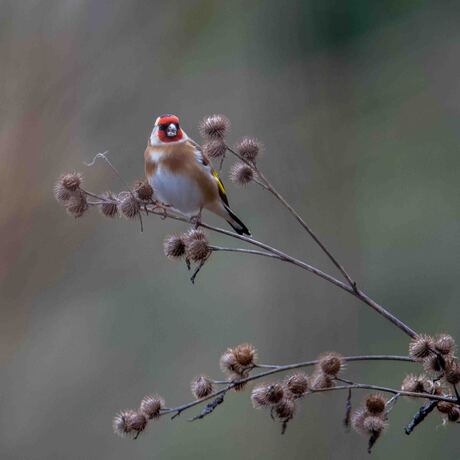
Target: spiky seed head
[214,126]
[228,362]
[357,420]
[238,359]
[194,234]
[319,381]
[375,404]
[143,190]
[267,394]
[330,363]
[297,384]
[416,383]
[77,204]
[109,208]
[201,387]
[129,206]
[71,181]
[249,148]
[60,192]
[129,423]
[452,371]
[174,247]
[139,422]
[215,148]
[434,364]
[151,406]
[285,409]
[421,347]
[275,393]
[241,173]
[444,406]
[373,424]
[454,414]
[121,425]
[197,250]
[259,396]
[245,354]
[444,344]
[196,245]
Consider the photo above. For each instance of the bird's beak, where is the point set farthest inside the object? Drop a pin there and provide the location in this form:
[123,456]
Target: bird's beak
[171,131]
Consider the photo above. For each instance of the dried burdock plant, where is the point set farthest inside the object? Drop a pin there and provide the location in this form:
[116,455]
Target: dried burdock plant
[201,387]
[241,173]
[436,388]
[77,204]
[297,384]
[417,384]
[109,207]
[143,190]
[151,406]
[174,246]
[214,127]
[215,148]
[249,148]
[267,394]
[129,205]
[129,423]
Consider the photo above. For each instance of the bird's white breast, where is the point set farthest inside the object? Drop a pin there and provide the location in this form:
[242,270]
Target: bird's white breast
[177,190]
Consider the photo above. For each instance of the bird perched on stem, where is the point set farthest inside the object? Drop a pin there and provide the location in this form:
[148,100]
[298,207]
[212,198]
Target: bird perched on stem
[182,175]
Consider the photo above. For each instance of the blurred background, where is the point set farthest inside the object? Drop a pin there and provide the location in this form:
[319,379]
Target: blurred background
[358,105]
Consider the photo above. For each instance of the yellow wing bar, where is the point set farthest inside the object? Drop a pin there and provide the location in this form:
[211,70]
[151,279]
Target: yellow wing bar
[222,192]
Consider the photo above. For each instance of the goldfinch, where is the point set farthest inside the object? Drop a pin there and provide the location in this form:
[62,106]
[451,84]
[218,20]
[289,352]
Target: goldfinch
[182,175]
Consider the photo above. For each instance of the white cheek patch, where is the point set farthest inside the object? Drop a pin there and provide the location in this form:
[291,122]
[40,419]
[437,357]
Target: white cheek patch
[153,137]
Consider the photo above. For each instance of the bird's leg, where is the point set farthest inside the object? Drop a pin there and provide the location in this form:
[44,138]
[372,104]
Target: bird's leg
[196,220]
[163,207]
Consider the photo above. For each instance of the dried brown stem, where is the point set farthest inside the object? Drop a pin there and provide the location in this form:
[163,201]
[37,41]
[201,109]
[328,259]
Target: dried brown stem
[275,369]
[353,291]
[267,185]
[276,253]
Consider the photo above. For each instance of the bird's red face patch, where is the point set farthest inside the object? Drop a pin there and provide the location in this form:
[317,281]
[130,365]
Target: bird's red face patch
[166,119]
[169,129]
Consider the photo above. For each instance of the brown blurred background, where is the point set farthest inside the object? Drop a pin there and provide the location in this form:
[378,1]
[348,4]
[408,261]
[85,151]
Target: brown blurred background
[358,104]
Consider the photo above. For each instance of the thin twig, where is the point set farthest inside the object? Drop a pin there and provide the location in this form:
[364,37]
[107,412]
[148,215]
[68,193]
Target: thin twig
[286,258]
[390,404]
[268,186]
[347,418]
[353,291]
[456,393]
[245,251]
[278,369]
[365,386]
[372,440]
[104,157]
[352,284]
[115,170]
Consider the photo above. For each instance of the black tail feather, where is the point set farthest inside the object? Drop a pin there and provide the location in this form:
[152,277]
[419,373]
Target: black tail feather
[236,223]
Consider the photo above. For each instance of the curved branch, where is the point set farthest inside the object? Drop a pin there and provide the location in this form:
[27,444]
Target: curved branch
[267,185]
[152,209]
[275,369]
[353,291]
